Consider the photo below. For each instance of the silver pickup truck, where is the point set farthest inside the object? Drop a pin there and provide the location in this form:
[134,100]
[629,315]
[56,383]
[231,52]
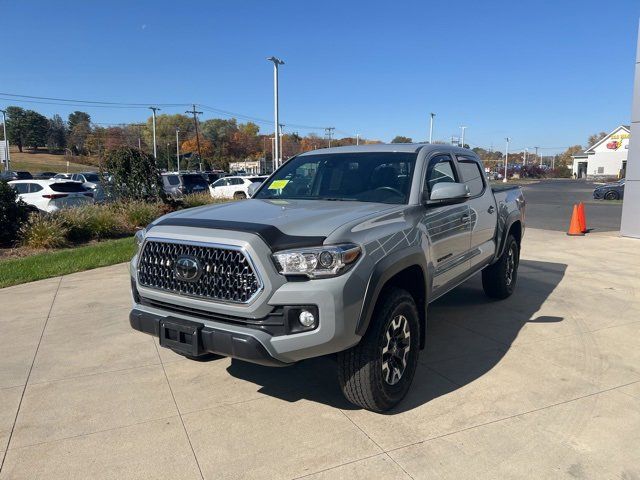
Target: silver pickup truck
[340,251]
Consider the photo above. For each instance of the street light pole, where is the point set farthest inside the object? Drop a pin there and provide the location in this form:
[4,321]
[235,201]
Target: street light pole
[506,160]
[155,148]
[6,140]
[463,128]
[431,127]
[276,62]
[178,148]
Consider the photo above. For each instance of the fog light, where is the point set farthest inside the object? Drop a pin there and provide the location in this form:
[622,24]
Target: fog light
[306,318]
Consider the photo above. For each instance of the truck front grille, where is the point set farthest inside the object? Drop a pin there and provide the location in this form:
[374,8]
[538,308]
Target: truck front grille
[224,273]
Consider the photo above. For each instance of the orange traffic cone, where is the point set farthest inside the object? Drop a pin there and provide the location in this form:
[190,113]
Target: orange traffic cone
[575,228]
[582,217]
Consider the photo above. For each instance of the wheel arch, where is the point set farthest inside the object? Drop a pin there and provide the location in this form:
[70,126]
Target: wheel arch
[403,271]
[514,227]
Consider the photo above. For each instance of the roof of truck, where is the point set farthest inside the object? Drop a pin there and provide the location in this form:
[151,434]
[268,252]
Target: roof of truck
[388,147]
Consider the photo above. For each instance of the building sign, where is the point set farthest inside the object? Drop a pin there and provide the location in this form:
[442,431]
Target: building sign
[616,141]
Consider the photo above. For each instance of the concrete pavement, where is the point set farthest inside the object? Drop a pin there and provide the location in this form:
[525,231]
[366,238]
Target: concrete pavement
[545,384]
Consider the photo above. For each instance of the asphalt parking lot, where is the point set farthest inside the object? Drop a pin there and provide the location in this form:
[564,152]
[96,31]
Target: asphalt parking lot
[547,381]
[550,203]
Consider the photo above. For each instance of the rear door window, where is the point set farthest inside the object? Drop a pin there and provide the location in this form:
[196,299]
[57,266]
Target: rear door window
[67,187]
[472,176]
[34,187]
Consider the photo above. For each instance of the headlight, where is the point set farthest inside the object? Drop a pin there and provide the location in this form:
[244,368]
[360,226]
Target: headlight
[317,262]
[139,236]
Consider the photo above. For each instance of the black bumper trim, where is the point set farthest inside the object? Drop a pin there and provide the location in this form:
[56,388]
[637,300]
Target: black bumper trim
[213,340]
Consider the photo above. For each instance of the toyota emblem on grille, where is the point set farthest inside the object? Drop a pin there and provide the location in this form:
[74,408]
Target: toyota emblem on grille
[188,268]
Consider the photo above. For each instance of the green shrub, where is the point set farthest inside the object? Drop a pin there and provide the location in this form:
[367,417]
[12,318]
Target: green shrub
[135,175]
[92,222]
[137,214]
[199,199]
[43,231]
[13,214]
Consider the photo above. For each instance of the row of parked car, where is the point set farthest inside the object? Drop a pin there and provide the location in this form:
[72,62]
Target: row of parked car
[228,186]
[50,191]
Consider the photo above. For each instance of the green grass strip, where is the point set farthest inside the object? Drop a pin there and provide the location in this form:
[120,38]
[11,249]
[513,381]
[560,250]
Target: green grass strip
[61,262]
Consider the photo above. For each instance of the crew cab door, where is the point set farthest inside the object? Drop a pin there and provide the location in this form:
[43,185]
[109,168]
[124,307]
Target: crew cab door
[448,228]
[482,206]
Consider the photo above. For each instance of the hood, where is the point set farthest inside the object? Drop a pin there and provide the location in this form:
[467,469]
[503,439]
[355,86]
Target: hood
[609,185]
[292,217]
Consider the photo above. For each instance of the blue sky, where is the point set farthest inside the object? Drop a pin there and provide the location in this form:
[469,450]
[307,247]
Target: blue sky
[546,73]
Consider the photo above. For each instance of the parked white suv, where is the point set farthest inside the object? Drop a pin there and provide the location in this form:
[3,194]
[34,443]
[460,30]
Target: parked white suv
[52,195]
[233,187]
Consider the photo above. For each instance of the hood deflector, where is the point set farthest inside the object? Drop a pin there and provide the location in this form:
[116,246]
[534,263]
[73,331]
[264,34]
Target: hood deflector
[272,236]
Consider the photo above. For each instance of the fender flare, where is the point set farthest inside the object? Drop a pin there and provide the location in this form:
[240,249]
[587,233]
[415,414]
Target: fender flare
[502,239]
[384,270]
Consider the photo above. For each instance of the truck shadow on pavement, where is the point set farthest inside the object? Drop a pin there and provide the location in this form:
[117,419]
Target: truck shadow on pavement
[467,332]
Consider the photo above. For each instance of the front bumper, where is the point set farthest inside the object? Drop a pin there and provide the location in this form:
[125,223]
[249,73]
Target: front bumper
[208,339]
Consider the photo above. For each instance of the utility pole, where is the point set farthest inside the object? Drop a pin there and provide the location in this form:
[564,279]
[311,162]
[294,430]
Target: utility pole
[280,138]
[462,128]
[328,131]
[155,148]
[276,117]
[178,149]
[139,144]
[506,160]
[6,139]
[357,139]
[195,114]
[537,157]
[526,151]
[431,127]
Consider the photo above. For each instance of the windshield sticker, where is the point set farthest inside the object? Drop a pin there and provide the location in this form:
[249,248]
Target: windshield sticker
[278,184]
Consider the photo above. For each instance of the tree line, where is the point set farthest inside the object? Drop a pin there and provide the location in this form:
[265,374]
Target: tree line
[217,143]
[220,141]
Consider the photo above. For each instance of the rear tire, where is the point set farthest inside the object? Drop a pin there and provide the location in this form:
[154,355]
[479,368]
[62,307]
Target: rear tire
[376,374]
[239,196]
[499,279]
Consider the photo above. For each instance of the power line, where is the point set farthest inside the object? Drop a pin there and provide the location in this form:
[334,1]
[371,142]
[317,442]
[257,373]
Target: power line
[94,101]
[67,102]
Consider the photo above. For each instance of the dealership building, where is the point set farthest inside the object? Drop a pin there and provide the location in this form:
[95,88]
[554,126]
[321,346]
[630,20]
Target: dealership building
[606,158]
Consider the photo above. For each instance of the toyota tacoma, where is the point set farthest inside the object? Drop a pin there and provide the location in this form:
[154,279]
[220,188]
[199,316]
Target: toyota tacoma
[339,251]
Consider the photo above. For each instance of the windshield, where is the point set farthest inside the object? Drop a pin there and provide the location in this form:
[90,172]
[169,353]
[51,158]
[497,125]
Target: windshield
[91,177]
[192,180]
[383,177]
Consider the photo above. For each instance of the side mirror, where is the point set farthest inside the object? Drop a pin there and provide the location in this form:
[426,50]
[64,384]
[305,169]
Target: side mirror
[251,189]
[448,193]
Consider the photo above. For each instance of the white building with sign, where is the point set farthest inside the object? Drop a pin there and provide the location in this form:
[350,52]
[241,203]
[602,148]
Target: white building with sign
[606,158]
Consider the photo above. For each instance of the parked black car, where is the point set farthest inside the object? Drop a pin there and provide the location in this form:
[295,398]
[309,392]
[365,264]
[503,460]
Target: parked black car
[178,184]
[211,177]
[9,175]
[610,191]
[44,175]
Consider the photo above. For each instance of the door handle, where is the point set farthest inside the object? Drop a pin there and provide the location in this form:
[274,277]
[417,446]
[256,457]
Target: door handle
[491,209]
[465,218]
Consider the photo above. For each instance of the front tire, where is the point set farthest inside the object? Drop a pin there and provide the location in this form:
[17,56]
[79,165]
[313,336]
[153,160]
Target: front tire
[611,196]
[376,374]
[499,279]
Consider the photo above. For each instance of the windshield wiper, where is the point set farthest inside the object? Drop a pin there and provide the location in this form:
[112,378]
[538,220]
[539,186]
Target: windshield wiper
[337,199]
